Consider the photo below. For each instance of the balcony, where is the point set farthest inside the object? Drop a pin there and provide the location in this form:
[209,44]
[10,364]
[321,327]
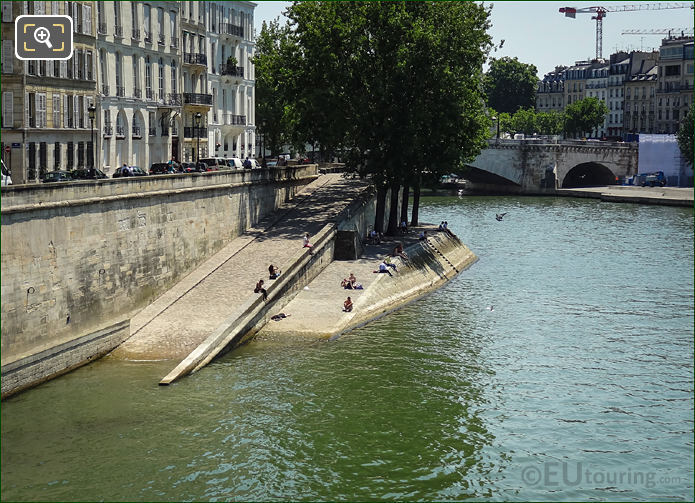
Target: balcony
[149,94]
[232,70]
[136,132]
[174,131]
[197,99]
[152,131]
[234,120]
[108,130]
[174,42]
[137,93]
[120,132]
[148,37]
[673,87]
[232,29]
[135,35]
[194,58]
[170,100]
[160,39]
[120,91]
[101,28]
[195,132]
[105,89]
[118,31]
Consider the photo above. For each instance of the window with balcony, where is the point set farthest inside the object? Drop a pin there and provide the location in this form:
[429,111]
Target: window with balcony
[118,21]
[120,89]
[173,77]
[135,20]
[148,22]
[137,90]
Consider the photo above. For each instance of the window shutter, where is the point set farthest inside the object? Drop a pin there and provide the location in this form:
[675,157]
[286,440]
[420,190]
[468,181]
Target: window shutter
[39,8]
[63,69]
[26,109]
[7,109]
[49,68]
[74,64]
[65,111]
[56,8]
[7,56]
[84,112]
[25,8]
[87,19]
[56,111]
[41,109]
[75,17]
[7,12]
[75,111]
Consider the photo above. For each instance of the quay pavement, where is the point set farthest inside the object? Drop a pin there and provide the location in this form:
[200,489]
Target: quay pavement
[668,196]
[181,319]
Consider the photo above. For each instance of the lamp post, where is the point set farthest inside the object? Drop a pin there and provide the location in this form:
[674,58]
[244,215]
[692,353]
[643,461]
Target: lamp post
[498,126]
[92,115]
[198,118]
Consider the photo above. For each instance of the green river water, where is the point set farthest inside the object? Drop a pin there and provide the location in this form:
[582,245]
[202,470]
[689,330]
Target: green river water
[576,385]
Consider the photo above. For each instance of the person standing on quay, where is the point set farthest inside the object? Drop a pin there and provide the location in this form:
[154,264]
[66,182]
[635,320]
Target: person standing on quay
[307,244]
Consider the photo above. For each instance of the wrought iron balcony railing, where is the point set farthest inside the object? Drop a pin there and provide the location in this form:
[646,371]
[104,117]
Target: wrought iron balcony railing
[195,132]
[197,99]
[232,70]
[195,58]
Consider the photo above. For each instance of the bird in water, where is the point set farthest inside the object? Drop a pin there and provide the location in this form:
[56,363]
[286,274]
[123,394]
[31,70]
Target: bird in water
[490,308]
[500,216]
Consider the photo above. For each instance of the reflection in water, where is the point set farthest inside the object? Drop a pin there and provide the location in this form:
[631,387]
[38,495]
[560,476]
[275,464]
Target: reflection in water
[585,362]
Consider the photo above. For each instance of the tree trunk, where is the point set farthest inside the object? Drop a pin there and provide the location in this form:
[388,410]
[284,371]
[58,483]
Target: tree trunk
[416,205]
[404,203]
[380,209]
[393,210]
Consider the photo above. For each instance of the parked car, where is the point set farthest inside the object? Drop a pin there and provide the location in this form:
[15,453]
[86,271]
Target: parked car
[190,167]
[654,179]
[214,163]
[88,174]
[134,171]
[57,176]
[6,178]
[161,168]
[235,163]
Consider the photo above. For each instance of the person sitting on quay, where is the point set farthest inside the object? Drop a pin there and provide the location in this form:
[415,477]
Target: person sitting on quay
[279,316]
[353,282]
[398,251]
[347,305]
[307,244]
[273,272]
[346,284]
[259,289]
[423,236]
[404,227]
[383,269]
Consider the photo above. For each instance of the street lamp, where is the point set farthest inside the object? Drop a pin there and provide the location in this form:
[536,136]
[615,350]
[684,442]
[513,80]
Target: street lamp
[498,126]
[198,118]
[92,115]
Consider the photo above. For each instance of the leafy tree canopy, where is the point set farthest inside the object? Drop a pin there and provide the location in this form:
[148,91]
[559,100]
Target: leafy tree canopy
[510,85]
[584,115]
[685,135]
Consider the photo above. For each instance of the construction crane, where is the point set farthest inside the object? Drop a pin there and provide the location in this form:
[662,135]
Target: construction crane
[600,13]
[660,31]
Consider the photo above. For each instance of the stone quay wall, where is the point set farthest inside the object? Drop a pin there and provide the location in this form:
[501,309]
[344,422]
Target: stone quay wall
[79,258]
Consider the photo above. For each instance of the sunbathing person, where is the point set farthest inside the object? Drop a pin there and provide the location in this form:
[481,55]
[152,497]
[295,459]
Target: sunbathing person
[347,305]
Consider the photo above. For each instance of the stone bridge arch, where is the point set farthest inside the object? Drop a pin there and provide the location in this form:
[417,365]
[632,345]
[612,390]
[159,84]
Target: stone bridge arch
[587,174]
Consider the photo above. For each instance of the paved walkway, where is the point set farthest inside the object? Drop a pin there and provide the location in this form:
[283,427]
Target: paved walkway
[672,196]
[178,321]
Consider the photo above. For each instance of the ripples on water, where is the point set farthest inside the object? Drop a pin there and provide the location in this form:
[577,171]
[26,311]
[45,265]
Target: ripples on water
[584,363]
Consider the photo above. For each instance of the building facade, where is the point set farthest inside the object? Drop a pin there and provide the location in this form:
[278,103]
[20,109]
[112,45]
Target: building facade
[45,118]
[674,92]
[168,79]
[617,71]
[597,87]
[551,91]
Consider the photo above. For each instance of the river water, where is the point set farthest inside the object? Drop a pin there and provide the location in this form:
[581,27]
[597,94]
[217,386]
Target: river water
[558,367]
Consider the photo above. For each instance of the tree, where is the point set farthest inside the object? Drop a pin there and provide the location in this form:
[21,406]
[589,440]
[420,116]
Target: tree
[585,115]
[510,85]
[685,135]
[549,123]
[394,84]
[524,121]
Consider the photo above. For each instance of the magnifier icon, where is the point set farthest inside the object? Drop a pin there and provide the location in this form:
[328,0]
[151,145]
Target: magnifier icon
[43,36]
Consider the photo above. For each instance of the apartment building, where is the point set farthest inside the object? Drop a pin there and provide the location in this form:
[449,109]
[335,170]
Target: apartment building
[596,86]
[151,70]
[619,64]
[551,91]
[674,92]
[640,93]
[231,78]
[45,104]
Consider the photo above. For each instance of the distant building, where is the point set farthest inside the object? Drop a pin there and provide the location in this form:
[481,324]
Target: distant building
[550,94]
[674,91]
[640,94]
[617,73]
[597,87]
[45,121]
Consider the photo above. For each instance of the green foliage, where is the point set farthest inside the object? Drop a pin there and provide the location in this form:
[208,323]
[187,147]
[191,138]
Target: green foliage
[524,121]
[549,123]
[584,115]
[510,85]
[685,135]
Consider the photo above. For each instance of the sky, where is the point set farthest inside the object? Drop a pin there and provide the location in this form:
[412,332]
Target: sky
[537,33]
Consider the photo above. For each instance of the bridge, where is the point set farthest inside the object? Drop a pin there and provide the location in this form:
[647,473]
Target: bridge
[536,166]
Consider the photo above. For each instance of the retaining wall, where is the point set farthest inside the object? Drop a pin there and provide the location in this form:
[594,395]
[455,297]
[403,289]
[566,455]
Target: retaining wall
[78,258]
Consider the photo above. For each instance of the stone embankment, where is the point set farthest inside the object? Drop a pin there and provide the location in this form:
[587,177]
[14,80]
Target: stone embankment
[666,196]
[317,310]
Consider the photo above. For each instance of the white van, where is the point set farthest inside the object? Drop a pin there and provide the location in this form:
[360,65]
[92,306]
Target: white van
[6,178]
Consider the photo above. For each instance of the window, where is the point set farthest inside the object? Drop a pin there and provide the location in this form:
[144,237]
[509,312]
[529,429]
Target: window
[7,12]
[152,124]
[672,70]
[56,156]
[134,17]
[119,75]
[161,79]
[56,111]
[71,155]
[148,23]
[7,55]
[7,109]
[136,75]
[148,78]
[89,65]
[173,76]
